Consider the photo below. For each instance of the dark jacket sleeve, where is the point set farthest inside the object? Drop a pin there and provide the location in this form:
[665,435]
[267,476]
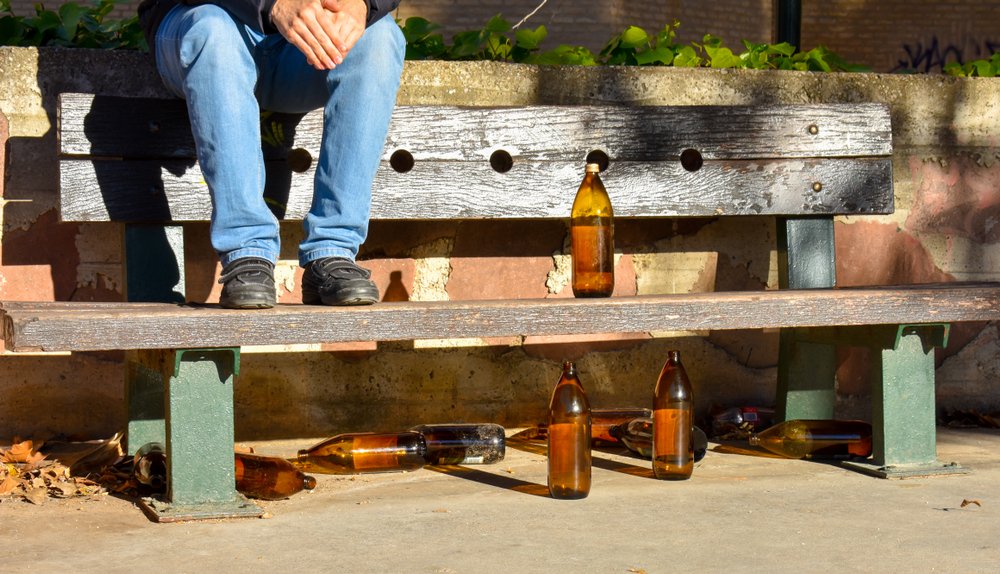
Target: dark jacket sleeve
[257,13]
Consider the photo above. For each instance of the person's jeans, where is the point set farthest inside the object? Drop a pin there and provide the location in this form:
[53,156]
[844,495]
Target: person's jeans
[227,72]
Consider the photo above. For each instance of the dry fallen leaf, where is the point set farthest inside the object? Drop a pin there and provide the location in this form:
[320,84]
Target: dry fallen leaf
[36,495]
[8,485]
[22,452]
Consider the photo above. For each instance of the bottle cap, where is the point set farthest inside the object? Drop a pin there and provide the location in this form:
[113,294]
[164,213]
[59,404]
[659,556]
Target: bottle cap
[593,167]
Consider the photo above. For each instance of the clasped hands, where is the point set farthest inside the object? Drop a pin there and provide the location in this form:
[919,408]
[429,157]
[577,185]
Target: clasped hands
[324,30]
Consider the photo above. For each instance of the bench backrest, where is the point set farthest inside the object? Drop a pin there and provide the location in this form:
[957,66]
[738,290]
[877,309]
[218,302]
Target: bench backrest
[133,160]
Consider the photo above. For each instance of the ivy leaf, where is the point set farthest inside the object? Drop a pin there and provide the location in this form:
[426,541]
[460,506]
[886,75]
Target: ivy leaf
[416,28]
[983,69]
[724,58]
[658,55]
[687,57]
[634,37]
[530,39]
[70,15]
[784,49]
[497,25]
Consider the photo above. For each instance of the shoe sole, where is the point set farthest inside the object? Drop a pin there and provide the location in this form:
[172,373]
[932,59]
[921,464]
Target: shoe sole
[349,296]
[247,303]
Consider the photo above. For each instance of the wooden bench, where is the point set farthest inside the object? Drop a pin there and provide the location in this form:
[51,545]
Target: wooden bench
[131,160]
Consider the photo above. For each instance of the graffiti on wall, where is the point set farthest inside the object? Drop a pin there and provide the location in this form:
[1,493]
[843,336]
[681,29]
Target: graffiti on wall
[933,55]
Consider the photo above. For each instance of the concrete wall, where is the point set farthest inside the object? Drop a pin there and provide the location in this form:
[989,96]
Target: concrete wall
[947,182]
[886,35]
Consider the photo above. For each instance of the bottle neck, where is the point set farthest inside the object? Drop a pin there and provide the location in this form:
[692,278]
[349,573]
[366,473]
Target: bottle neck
[754,440]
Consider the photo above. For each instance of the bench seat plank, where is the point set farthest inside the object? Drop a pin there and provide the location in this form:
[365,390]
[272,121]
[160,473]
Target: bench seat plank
[108,326]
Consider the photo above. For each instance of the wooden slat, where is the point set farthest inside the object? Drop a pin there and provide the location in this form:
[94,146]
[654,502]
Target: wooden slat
[459,190]
[132,159]
[95,326]
[108,126]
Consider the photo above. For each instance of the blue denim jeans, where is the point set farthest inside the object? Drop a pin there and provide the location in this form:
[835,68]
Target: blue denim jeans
[227,72]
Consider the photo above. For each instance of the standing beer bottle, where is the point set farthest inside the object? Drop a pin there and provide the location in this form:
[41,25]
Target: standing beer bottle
[355,453]
[592,238]
[673,409]
[269,478]
[569,437]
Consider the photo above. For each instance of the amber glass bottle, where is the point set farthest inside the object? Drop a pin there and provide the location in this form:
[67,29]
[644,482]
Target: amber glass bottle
[816,439]
[355,453]
[269,478]
[149,466]
[592,238]
[603,420]
[673,452]
[463,443]
[569,438]
[637,436]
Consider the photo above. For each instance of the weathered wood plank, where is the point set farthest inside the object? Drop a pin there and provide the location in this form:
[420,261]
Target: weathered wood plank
[109,126]
[95,326]
[150,191]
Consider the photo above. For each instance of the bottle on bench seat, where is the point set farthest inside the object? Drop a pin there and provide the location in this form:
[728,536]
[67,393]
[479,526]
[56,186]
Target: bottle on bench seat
[816,439]
[569,456]
[356,453]
[592,238]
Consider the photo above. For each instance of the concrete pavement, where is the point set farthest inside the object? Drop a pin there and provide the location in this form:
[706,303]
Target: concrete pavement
[738,513]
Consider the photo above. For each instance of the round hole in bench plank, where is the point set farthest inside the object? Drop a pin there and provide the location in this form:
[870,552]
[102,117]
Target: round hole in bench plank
[299,160]
[501,161]
[600,158]
[401,161]
[691,159]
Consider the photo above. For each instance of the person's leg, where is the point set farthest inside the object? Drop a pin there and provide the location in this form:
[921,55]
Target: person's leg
[206,57]
[357,98]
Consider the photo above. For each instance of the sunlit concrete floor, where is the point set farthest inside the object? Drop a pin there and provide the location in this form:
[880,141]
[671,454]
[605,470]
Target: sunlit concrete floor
[738,513]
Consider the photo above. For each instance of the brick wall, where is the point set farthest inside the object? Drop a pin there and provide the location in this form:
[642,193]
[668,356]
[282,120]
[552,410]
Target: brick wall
[887,35]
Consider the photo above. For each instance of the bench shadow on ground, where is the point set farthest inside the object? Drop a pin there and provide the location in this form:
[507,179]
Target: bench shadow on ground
[524,443]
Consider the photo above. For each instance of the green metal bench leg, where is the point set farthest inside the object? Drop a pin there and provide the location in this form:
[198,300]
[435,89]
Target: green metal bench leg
[201,483]
[144,397]
[903,402]
[806,371]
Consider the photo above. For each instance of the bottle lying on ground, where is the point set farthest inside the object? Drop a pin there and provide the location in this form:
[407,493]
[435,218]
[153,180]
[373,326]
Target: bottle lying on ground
[463,443]
[355,453]
[603,420]
[149,467]
[637,436]
[263,477]
[816,439]
[269,478]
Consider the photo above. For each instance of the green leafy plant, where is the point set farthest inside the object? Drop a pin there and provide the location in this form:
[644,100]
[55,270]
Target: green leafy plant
[498,41]
[72,25]
[977,68]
